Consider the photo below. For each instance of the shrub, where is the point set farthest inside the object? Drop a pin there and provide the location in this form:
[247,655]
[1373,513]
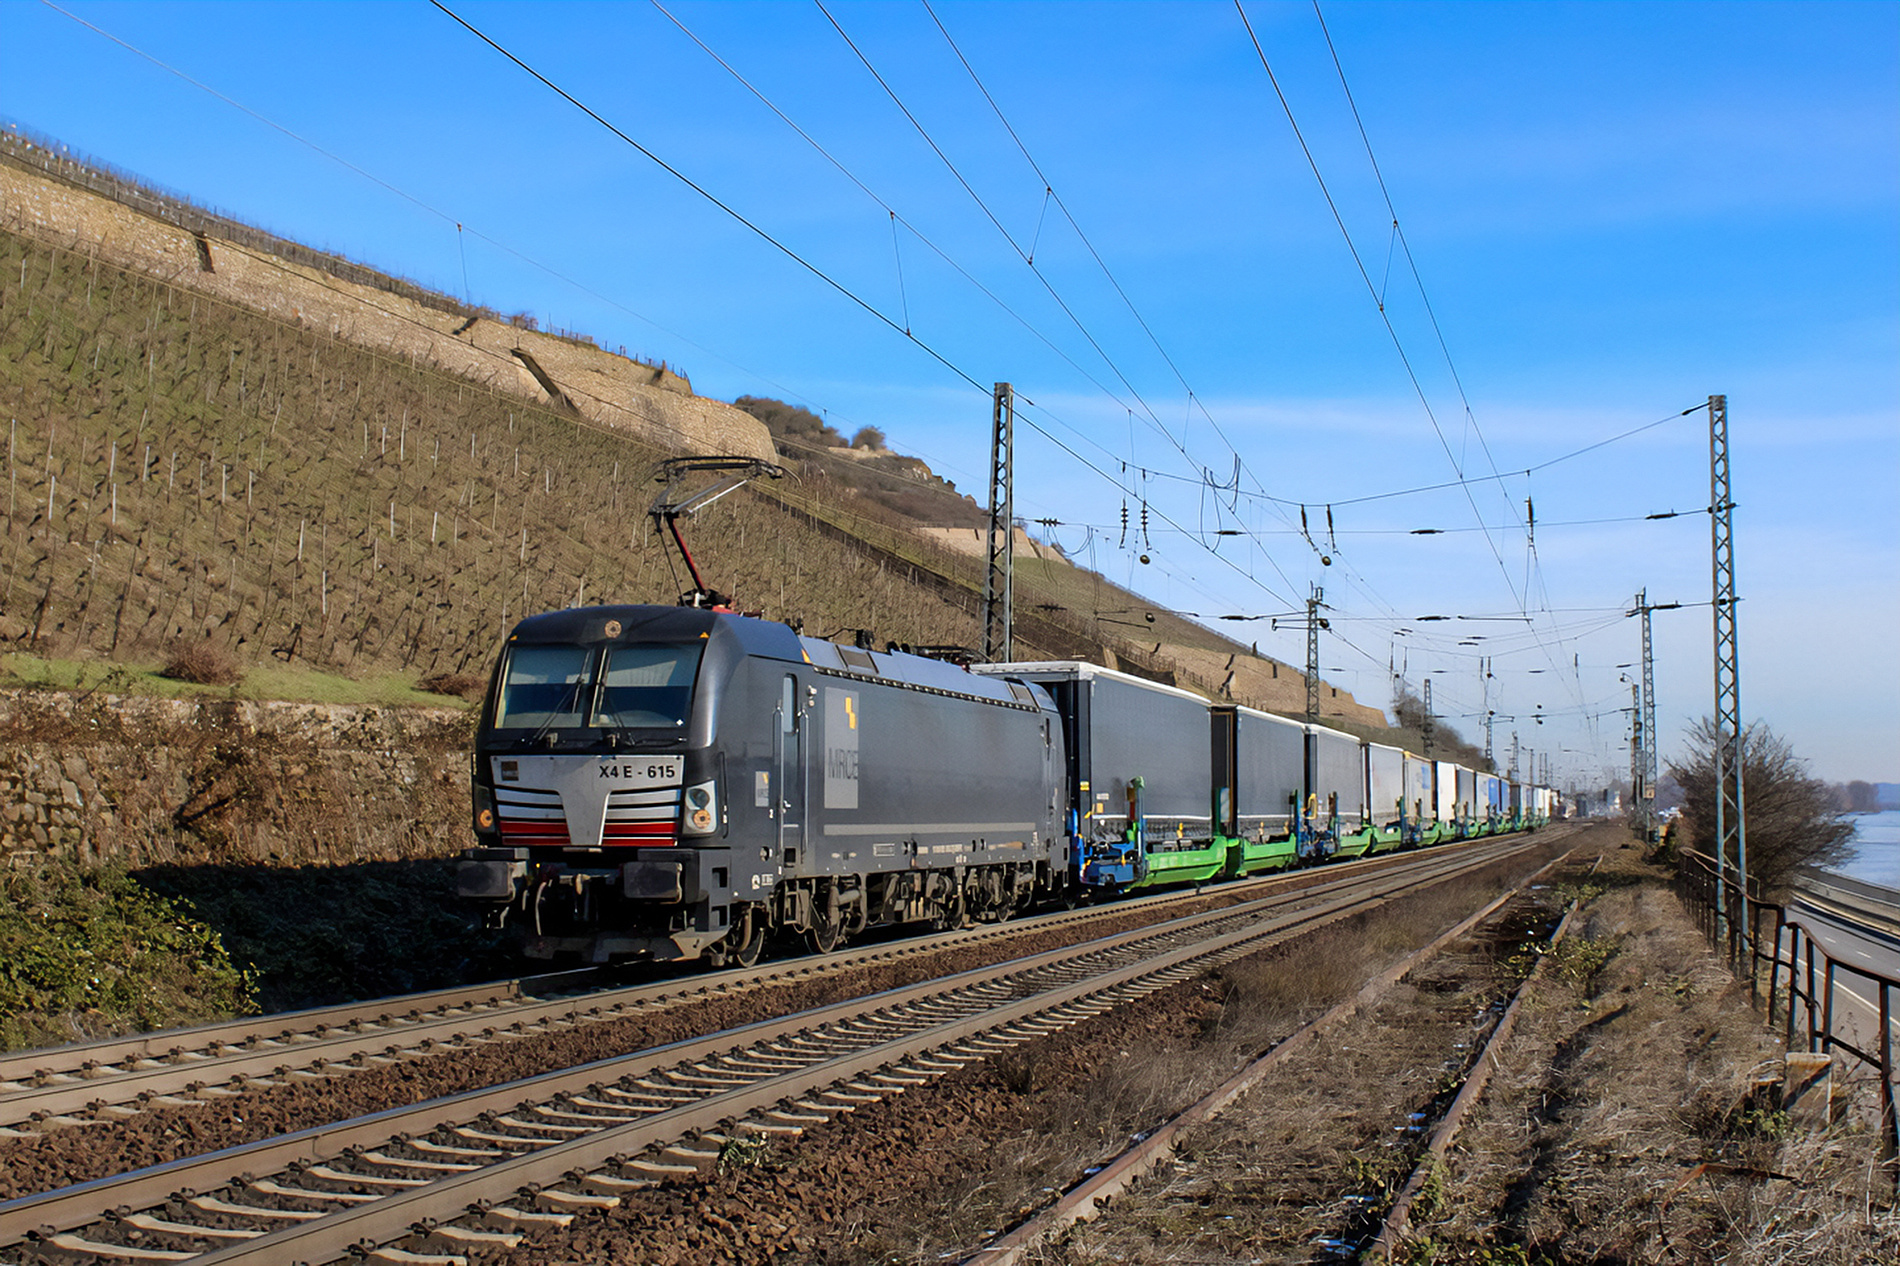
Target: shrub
[91,953]
[459,685]
[205,664]
[1790,817]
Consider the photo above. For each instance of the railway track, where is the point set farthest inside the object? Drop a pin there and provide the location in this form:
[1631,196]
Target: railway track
[430,1183]
[1083,1200]
[85,1083]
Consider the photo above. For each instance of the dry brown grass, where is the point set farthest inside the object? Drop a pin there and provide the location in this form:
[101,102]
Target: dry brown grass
[1634,1119]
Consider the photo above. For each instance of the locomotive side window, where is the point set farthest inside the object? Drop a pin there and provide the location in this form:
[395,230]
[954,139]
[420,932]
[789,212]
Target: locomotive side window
[545,686]
[646,686]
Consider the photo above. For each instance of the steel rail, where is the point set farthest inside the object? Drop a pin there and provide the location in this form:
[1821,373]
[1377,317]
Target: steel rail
[248,1050]
[1081,1201]
[331,1041]
[1398,1218]
[83,1204]
[18,1066]
[395,1216]
[231,1053]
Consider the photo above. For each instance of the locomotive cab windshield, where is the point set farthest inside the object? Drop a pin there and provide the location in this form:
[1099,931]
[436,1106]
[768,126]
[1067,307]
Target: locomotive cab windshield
[564,686]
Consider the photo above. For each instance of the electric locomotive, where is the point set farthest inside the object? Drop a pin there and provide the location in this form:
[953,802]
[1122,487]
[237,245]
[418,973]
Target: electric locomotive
[672,783]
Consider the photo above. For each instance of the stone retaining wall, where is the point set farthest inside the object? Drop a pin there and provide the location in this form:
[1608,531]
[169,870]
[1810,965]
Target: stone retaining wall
[607,389]
[95,778]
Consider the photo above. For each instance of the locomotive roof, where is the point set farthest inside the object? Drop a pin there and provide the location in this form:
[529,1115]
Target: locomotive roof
[647,623]
[916,671]
[638,623]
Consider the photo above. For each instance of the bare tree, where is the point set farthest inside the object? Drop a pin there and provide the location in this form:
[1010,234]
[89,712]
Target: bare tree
[1408,712]
[1790,818]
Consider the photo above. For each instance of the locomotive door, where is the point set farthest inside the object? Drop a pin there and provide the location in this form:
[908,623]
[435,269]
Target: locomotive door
[789,774]
[1058,838]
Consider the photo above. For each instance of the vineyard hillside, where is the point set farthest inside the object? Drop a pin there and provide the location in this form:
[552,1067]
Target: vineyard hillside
[220,440]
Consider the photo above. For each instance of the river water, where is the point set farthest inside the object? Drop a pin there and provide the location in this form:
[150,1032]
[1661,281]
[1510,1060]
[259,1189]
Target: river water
[1876,844]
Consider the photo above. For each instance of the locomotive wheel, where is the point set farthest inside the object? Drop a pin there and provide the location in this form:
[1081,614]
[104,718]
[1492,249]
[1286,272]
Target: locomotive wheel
[952,914]
[747,950]
[743,946]
[748,955]
[824,935]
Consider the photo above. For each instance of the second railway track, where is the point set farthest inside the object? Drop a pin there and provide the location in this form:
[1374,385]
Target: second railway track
[546,1148]
[84,1083]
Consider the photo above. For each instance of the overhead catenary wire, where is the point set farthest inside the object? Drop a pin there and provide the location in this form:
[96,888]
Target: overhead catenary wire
[1384,316]
[823,276]
[1534,580]
[856,299]
[448,218]
[896,217]
[1398,233]
[1206,483]
[1533,571]
[1067,310]
[462,229]
[1050,194]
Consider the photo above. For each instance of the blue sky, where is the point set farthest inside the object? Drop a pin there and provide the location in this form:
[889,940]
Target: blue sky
[1616,211]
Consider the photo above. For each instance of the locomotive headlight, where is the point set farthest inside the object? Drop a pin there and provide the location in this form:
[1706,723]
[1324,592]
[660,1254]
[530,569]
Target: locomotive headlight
[702,810]
[484,811]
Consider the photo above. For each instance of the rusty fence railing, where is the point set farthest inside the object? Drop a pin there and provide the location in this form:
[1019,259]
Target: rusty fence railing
[1798,981]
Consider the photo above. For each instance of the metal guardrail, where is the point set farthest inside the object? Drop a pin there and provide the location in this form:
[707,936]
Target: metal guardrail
[1868,903]
[1794,976]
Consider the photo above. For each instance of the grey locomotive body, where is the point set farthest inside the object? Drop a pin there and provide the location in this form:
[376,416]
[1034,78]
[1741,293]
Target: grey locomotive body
[673,782]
